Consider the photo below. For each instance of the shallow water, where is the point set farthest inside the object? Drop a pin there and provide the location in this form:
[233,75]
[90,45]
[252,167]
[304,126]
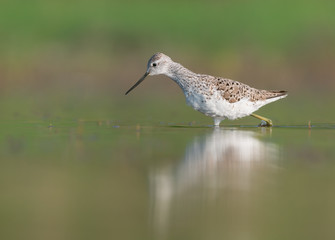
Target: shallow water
[105,180]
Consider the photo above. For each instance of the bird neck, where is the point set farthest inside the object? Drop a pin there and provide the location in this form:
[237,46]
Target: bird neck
[181,75]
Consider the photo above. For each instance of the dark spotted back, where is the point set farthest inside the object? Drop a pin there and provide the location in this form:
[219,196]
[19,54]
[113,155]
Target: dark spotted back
[234,91]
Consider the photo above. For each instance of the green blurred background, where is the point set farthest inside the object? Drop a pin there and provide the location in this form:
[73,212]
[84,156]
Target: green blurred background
[79,159]
[75,59]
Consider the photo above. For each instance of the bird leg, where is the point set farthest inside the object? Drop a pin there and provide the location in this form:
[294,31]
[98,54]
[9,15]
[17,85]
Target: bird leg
[217,121]
[265,121]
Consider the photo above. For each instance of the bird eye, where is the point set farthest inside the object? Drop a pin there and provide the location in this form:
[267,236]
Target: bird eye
[154,64]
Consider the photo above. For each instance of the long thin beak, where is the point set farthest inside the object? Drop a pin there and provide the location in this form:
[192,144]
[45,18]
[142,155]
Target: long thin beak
[138,82]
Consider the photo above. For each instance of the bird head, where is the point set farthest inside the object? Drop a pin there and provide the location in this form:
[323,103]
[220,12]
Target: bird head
[158,64]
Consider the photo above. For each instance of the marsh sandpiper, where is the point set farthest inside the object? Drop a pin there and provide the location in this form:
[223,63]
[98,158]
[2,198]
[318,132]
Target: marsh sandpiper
[215,97]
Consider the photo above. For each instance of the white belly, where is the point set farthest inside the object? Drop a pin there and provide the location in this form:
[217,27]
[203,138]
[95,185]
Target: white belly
[216,106]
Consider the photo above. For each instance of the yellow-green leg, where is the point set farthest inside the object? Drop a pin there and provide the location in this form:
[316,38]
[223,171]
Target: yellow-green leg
[266,120]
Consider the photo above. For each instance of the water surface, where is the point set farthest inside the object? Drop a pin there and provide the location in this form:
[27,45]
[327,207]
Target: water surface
[106,180]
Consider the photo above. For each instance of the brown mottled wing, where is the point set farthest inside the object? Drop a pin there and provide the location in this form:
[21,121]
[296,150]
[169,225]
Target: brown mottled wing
[234,91]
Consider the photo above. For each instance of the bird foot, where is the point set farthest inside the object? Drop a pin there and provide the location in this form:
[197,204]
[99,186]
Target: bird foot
[265,123]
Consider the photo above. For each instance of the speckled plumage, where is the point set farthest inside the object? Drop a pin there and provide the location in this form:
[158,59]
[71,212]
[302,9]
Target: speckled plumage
[216,97]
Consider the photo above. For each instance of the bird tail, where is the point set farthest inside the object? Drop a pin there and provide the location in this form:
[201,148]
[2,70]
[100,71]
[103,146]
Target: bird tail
[275,94]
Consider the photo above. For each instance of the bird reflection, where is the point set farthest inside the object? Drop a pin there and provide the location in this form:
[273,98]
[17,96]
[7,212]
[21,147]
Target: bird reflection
[223,159]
